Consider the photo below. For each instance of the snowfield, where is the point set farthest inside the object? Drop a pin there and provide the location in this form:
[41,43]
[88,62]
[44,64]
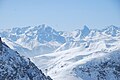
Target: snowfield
[83,63]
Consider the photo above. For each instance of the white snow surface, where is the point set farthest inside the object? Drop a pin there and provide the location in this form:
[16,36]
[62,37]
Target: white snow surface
[68,64]
[87,54]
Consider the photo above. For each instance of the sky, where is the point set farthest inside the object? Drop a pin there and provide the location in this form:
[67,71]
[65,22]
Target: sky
[60,14]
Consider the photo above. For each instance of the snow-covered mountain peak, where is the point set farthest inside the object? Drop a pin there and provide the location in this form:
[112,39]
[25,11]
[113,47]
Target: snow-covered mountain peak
[85,27]
[18,30]
[112,30]
[112,27]
[43,27]
[85,31]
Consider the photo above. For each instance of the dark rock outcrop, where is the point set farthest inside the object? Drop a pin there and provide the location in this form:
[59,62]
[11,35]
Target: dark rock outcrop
[16,67]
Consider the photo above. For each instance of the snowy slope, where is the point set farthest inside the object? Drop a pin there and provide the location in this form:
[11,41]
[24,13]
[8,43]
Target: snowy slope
[16,67]
[17,47]
[97,61]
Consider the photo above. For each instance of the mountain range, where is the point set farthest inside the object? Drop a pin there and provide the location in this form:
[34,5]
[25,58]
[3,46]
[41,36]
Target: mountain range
[42,39]
[82,54]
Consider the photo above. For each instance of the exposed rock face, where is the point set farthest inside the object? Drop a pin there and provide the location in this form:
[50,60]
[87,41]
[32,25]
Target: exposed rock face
[0,44]
[16,67]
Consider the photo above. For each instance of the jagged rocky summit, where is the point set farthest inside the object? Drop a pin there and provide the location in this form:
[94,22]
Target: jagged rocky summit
[16,67]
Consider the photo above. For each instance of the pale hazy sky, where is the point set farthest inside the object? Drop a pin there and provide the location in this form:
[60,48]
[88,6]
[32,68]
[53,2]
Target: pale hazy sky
[60,14]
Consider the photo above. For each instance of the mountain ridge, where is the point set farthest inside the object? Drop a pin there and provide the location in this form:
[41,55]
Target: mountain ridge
[43,36]
[16,67]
